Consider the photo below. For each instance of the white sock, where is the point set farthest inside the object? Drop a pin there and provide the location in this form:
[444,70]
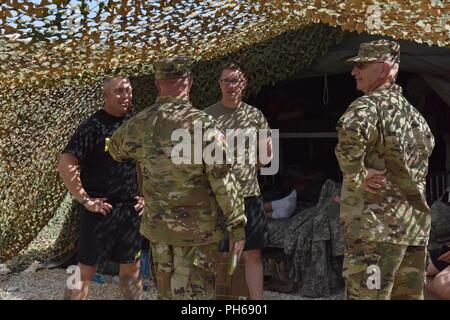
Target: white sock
[283,208]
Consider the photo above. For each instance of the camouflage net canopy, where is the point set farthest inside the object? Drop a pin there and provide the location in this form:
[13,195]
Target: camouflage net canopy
[36,123]
[66,40]
[54,53]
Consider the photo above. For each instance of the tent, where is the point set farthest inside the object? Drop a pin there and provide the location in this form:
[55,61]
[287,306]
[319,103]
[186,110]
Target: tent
[55,52]
[431,63]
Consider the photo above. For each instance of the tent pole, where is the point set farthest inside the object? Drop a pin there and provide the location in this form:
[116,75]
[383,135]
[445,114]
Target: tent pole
[447,158]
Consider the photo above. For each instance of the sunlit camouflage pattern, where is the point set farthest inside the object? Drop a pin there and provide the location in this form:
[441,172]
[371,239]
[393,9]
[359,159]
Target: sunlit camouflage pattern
[382,130]
[172,67]
[440,224]
[64,41]
[248,119]
[378,50]
[185,272]
[401,271]
[184,203]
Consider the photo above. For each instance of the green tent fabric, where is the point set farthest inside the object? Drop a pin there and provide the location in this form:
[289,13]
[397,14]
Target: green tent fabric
[431,63]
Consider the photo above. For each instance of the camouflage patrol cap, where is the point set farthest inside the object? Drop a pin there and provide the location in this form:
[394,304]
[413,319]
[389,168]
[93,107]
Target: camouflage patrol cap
[172,67]
[379,50]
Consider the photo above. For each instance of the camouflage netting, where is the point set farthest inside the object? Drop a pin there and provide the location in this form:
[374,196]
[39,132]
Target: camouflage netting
[37,122]
[54,52]
[50,41]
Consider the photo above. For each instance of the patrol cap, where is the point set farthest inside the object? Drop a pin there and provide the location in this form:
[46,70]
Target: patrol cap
[378,50]
[172,67]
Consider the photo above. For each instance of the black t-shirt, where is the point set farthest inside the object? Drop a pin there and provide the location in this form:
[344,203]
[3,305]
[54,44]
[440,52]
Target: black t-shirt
[100,175]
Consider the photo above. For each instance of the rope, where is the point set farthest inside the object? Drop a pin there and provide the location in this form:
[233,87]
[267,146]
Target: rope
[326,93]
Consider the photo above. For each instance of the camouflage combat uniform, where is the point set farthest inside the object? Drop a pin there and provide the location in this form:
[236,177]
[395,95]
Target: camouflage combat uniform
[389,229]
[250,121]
[186,205]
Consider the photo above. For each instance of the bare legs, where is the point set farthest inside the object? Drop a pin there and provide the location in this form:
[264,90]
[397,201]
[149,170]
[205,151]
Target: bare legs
[129,280]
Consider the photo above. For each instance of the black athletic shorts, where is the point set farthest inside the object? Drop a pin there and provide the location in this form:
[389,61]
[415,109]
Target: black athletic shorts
[256,236]
[113,237]
[435,254]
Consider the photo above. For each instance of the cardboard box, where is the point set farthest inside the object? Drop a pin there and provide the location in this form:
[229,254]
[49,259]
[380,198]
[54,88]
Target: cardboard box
[231,287]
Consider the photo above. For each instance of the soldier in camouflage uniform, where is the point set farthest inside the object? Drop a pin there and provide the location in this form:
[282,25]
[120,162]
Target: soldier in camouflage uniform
[186,203]
[233,115]
[383,148]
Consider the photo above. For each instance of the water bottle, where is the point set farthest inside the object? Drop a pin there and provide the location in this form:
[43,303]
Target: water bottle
[232,263]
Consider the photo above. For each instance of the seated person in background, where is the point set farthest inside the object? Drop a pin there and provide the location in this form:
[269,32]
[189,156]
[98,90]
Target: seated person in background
[282,208]
[438,272]
[292,183]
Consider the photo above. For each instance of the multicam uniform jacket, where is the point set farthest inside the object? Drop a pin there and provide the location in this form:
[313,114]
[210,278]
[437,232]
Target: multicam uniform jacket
[382,130]
[186,204]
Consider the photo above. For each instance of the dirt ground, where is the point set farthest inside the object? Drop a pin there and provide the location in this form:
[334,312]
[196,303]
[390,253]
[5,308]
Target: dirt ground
[48,284]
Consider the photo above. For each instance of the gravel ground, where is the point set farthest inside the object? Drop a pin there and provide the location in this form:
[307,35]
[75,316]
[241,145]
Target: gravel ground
[49,285]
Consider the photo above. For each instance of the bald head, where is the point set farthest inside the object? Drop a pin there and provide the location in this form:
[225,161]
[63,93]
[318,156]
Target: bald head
[117,93]
[111,81]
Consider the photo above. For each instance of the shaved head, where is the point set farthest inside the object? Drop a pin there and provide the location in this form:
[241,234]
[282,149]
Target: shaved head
[109,81]
[117,93]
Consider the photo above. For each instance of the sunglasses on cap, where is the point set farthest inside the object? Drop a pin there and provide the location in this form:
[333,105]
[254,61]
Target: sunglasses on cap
[362,65]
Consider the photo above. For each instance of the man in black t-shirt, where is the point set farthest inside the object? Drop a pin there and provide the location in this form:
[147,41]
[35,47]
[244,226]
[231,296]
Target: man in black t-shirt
[108,192]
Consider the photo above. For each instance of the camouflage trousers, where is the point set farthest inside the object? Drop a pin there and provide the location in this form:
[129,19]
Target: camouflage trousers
[383,271]
[185,272]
